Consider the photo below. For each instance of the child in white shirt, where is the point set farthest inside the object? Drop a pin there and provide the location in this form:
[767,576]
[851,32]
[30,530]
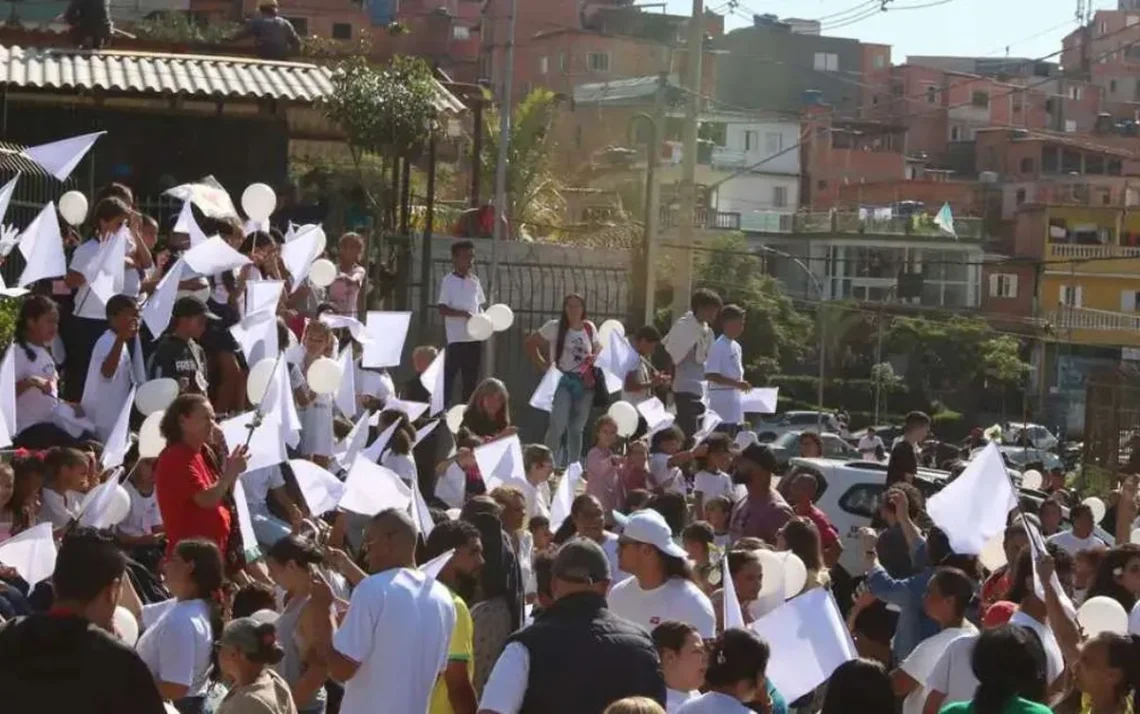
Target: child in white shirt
[665,459]
[65,477]
[724,370]
[141,531]
[314,410]
[713,481]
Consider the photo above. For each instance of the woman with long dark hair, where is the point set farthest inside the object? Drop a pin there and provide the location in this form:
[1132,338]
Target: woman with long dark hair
[861,686]
[570,343]
[1009,663]
[37,379]
[1106,677]
[178,642]
[1118,576]
[801,537]
[735,676]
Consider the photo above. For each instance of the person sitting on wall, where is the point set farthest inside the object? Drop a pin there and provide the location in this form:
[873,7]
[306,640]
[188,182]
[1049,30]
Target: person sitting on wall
[89,22]
[273,35]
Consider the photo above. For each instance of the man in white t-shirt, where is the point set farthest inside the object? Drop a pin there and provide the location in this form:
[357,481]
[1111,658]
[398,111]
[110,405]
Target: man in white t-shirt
[724,370]
[870,446]
[1081,537]
[948,594]
[393,642]
[658,590]
[460,297]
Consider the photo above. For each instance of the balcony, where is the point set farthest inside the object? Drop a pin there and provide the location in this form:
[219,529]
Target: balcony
[1083,318]
[1092,250]
[968,229]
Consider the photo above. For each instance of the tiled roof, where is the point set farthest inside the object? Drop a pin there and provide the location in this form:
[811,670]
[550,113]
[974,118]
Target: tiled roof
[172,74]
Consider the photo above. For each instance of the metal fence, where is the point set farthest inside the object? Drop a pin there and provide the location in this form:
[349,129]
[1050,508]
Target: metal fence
[533,279]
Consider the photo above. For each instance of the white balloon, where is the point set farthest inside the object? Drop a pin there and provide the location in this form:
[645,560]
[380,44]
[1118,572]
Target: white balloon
[151,441]
[156,395]
[324,375]
[1097,506]
[455,417]
[480,327]
[610,326]
[258,200]
[772,575]
[322,273]
[126,626]
[1032,479]
[501,316]
[258,380]
[118,506]
[626,416]
[1102,614]
[795,574]
[73,207]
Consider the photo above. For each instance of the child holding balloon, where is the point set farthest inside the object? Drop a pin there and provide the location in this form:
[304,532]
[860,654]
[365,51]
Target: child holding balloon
[313,408]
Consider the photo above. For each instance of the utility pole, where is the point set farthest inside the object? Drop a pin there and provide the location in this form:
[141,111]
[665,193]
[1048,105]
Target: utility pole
[501,169]
[653,195]
[683,282]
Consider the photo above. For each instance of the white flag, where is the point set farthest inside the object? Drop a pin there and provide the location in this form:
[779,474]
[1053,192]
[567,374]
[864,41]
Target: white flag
[6,195]
[346,394]
[975,506]
[371,488]
[119,442]
[157,309]
[8,397]
[433,380]
[298,254]
[59,158]
[44,254]
[31,553]
[213,256]
[564,496]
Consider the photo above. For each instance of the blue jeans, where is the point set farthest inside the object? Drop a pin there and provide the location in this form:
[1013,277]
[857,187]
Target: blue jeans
[568,418]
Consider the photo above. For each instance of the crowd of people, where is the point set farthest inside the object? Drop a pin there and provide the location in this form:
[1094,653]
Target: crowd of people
[608,572]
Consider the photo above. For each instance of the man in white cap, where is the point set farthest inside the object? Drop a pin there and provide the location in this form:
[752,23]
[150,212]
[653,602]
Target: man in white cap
[662,586]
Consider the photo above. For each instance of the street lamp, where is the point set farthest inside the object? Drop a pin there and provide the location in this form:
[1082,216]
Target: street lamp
[822,341]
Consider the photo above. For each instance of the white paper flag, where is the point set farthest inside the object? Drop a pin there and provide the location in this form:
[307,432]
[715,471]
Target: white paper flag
[376,448]
[346,451]
[94,509]
[358,331]
[414,410]
[256,334]
[386,333]
[245,522]
[266,448]
[322,490]
[709,422]
[262,296]
[119,442]
[426,429]
[186,224]
[617,359]
[8,397]
[31,553]
[1037,548]
[543,397]
[656,417]
[733,615]
[298,255]
[104,272]
[433,567]
[371,488]
[812,639]
[208,195]
[346,394]
[432,380]
[59,158]
[500,460]
[44,255]
[420,512]
[760,400]
[975,506]
[214,256]
[564,495]
[157,309]
[6,196]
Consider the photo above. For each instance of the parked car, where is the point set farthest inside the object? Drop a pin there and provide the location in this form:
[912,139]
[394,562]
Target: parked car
[787,446]
[887,432]
[1037,436]
[767,431]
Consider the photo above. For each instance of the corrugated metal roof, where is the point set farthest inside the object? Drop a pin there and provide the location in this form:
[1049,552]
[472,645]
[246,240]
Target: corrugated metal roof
[619,91]
[172,74]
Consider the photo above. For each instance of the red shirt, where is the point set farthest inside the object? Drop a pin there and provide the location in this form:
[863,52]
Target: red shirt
[828,535]
[180,472]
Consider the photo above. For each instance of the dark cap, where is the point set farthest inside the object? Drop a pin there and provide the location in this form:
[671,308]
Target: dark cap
[760,455]
[191,307]
[583,561]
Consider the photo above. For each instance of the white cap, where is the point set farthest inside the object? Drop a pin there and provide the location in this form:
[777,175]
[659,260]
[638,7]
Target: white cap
[649,527]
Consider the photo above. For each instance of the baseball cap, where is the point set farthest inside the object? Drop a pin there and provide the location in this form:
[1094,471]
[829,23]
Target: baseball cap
[256,640]
[580,560]
[998,614]
[649,527]
[760,455]
[191,307]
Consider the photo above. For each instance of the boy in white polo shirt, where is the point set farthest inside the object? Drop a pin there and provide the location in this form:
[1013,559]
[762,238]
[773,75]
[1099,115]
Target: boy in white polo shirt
[724,371]
[460,297]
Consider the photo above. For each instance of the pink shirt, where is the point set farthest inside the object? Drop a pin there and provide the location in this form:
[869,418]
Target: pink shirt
[345,290]
[603,479]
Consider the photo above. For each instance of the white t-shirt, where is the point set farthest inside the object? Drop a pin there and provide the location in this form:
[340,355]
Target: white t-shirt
[869,445]
[674,698]
[727,360]
[460,293]
[33,406]
[144,515]
[1072,545]
[87,303]
[678,599]
[257,484]
[103,398]
[920,663]
[1054,660]
[398,628]
[953,675]
[374,383]
[663,476]
[1134,620]
[58,509]
[402,464]
[176,648]
[506,687]
[576,348]
[713,484]
[713,703]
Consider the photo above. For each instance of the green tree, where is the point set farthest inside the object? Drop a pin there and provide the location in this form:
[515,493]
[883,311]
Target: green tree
[180,27]
[1002,365]
[534,192]
[776,336]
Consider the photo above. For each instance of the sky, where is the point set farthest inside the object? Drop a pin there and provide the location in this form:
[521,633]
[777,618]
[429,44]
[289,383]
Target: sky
[1030,28]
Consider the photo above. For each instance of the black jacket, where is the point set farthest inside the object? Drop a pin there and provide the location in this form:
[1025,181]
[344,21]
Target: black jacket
[583,658]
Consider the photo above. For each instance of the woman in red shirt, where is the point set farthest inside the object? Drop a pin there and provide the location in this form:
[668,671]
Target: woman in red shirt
[194,498]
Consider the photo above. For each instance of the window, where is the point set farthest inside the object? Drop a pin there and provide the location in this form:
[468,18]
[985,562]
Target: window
[1027,165]
[863,499]
[751,140]
[1070,126]
[955,133]
[563,62]
[1112,86]
[1071,295]
[1049,105]
[1074,92]
[543,65]
[460,32]
[1003,285]
[780,196]
[980,99]
[897,89]
[826,62]
[821,184]
[1019,198]
[880,61]
[341,31]
[931,94]
[598,61]
[300,24]
[1128,300]
[773,142]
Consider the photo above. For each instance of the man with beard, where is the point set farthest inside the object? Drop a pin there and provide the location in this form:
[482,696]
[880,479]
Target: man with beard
[764,511]
[454,692]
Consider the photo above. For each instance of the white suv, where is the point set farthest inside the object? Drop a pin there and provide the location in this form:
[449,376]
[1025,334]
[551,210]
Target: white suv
[767,431]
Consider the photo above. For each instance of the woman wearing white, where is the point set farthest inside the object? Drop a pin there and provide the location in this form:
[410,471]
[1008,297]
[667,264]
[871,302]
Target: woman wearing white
[735,675]
[179,638]
[315,410]
[683,662]
[37,380]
